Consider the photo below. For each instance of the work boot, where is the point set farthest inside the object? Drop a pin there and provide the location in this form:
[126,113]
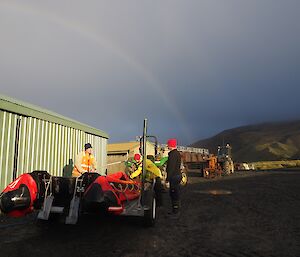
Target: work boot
[175,213]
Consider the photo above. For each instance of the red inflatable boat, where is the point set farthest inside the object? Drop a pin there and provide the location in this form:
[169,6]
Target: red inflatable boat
[90,193]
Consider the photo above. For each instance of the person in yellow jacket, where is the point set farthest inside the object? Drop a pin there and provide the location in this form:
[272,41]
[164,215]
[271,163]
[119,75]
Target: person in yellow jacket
[152,170]
[84,161]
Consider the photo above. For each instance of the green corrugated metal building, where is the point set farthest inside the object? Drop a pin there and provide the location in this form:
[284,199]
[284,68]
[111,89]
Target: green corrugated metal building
[32,138]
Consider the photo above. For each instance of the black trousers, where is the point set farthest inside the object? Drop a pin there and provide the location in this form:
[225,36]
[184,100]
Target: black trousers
[175,191]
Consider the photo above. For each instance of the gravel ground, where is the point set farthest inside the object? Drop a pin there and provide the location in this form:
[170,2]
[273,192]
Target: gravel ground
[246,214]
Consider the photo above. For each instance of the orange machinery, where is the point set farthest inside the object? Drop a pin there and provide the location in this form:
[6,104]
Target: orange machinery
[214,169]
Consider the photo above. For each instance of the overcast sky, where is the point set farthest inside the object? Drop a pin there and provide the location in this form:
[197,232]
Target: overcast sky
[193,68]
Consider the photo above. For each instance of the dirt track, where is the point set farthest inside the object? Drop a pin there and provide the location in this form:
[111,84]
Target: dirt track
[247,214]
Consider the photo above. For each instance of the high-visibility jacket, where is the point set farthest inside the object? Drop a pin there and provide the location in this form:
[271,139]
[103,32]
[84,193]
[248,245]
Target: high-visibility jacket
[152,170]
[84,163]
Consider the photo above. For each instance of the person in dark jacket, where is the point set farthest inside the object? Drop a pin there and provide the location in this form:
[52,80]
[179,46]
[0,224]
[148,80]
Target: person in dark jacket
[174,174]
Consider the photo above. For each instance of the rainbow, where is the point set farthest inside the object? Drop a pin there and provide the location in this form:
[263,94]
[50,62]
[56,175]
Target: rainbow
[108,44]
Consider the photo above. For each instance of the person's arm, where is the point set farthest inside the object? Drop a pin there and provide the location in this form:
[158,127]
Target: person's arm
[136,173]
[171,164]
[78,163]
[95,165]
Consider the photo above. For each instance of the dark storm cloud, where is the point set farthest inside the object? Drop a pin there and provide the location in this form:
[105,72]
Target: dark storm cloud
[193,68]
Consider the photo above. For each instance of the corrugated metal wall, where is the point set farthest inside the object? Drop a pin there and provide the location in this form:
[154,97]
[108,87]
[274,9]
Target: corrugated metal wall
[42,145]
[8,123]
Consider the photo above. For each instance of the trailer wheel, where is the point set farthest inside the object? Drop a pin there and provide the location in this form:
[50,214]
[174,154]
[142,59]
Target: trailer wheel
[227,167]
[150,212]
[231,166]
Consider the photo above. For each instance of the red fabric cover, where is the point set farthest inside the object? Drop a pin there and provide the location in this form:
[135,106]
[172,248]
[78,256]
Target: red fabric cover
[131,189]
[27,180]
[119,175]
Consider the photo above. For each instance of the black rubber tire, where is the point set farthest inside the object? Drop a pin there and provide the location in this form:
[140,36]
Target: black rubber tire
[226,167]
[150,214]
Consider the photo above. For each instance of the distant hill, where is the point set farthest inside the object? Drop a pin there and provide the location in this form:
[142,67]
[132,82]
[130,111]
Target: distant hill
[261,142]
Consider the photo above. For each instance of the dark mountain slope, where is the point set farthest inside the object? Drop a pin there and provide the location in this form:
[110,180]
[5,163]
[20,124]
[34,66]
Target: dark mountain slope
[261,142]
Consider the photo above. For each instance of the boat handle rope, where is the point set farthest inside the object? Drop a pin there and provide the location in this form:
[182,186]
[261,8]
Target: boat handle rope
[120,189]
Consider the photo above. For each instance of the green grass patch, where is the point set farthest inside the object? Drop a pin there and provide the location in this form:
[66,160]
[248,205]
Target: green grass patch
[271,165]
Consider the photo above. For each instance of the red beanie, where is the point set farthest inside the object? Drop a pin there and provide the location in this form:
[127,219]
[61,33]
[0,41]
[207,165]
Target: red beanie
[137,157]
[172,143]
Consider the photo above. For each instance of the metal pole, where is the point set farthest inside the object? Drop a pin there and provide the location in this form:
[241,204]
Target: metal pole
[144,152]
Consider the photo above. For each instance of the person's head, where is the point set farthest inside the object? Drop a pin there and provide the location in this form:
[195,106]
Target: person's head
[172,143]
[88,148]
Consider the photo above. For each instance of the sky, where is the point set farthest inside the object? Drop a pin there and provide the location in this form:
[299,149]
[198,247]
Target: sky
[193,68]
